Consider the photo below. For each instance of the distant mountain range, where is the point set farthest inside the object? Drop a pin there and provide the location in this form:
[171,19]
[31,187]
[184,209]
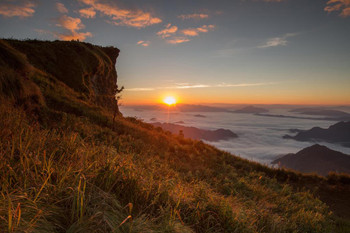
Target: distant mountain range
[337,133]
[316,158]
[328,113]
[251,109]
[195,133]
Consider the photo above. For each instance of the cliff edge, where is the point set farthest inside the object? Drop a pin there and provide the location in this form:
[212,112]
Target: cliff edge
[28,67]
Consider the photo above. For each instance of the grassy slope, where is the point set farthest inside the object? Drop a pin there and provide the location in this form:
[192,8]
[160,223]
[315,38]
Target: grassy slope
[66,168]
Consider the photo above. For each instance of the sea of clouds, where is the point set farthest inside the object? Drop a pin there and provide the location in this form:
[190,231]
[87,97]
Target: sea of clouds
[260,138]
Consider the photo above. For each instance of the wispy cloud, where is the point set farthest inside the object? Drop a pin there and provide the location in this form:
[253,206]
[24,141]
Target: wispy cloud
[87,12]
[168,31]
[177,40]
[22,9]
[61,8]
[126,17]
[139,89]
[194,86]
[193,16]
[277,41]
[274,0]
[339,5]
[72,25]
[196,31]
[173,36]
[143,43]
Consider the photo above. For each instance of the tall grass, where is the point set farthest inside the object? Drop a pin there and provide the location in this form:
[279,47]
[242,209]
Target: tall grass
[66,167]
[72,180]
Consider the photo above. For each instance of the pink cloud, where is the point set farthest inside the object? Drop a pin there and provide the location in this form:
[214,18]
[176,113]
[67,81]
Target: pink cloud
[168,31]
[273,0]
[193,16]
[178,40]
[132,18]
[196,31]
[22,9]
[74,36]
[72,25]
[143,43]
[87,12]
[339,5]
[61,8]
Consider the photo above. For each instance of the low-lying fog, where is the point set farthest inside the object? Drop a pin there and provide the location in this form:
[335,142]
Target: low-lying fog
[259,137]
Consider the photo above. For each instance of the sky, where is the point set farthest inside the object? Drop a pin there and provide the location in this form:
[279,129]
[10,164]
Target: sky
[205,51]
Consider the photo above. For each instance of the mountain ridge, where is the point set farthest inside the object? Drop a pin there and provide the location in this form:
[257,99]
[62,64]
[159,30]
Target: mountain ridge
[316,158]
[337,133]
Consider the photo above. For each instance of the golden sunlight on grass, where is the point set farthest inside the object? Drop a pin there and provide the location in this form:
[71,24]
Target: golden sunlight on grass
[169,100]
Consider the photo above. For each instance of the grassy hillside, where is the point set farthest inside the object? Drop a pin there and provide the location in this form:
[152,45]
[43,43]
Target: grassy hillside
[66,167]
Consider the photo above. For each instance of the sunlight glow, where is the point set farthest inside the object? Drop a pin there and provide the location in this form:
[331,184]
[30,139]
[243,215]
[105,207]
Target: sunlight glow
[169,100]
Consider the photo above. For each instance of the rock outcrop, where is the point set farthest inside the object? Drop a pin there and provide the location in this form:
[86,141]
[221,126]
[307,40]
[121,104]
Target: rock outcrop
[87,69]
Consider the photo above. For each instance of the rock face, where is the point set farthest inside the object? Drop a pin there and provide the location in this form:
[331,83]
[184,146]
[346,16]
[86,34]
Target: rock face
[195,133]
[87,69]
[316,158]
[337,133]
[251,109]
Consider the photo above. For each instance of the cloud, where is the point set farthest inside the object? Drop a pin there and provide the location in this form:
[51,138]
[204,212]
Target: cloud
[143,43]
[193,16]
[177,40]
[168,31]
[194,86]
[22,9]
[61,8]
[274,0]
[172,37]
[196,31]
[74,36]
[126,17]
[277,41]
[87,12]
[72,25]
[339,5]
[139,89]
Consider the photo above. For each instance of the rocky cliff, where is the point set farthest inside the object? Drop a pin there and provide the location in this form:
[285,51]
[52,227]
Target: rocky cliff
[28,68]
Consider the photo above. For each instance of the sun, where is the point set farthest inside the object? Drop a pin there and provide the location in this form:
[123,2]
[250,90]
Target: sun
[169,100]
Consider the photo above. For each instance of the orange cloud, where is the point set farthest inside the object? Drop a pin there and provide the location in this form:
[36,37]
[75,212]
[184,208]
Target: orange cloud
[70,23]
[196,31]
[167,31]
[339,5]
[143,43]
[74,36]
[73,25]
[22,9]
[193,16]
[87,13]
[178,40]
[126,17]
[61,8]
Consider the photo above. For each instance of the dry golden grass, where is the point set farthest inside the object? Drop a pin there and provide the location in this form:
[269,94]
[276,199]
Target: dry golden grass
[66,168]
